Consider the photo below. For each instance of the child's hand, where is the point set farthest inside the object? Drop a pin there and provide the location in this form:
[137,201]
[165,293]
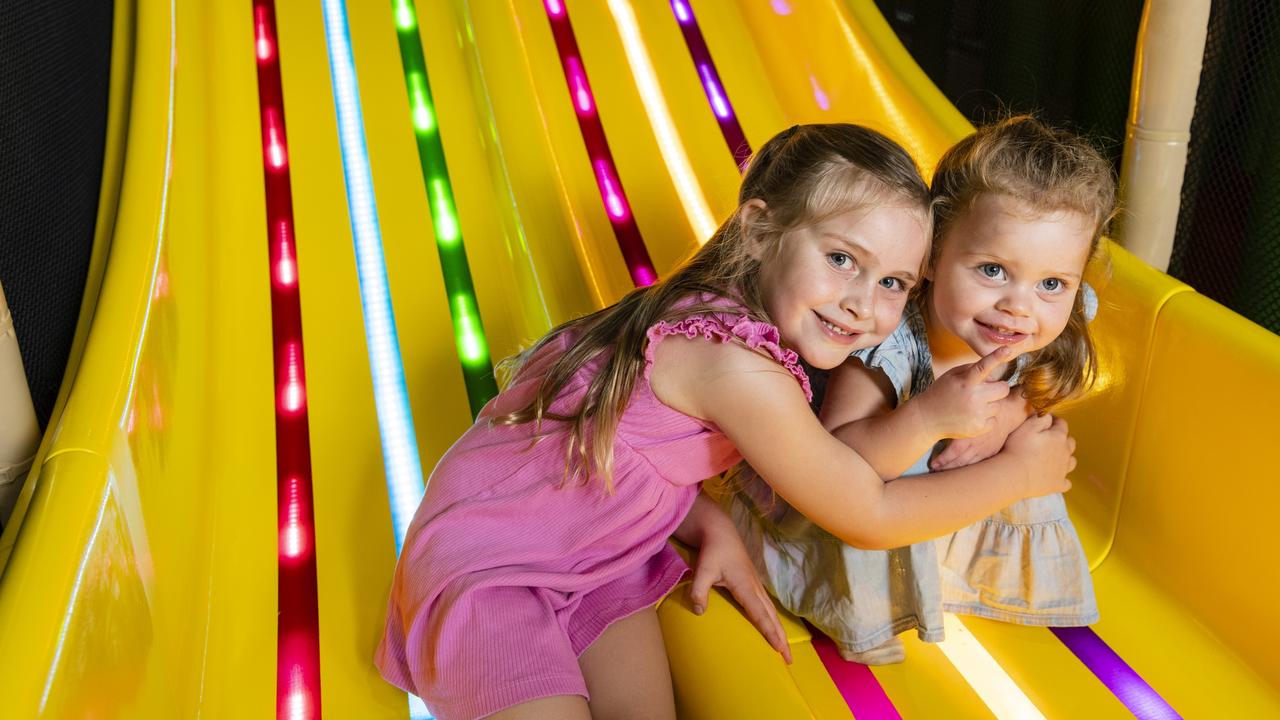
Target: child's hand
[961,452]
[964,402]
[1046,453]
[723,561]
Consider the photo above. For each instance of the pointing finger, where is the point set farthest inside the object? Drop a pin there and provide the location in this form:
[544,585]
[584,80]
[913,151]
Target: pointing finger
[981,370]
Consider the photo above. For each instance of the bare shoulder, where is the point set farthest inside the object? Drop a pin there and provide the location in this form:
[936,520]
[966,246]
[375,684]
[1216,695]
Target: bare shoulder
[688,374]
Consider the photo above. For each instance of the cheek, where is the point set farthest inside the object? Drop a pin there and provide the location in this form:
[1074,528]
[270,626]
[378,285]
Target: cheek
[889,314]
[955,290]
[1053,320]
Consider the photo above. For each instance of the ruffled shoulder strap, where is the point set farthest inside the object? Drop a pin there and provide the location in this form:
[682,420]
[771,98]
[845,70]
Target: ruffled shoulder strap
[730,326]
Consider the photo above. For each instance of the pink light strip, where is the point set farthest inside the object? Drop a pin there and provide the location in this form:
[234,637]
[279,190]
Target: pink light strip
[612,194]
[857,685]
[730,128]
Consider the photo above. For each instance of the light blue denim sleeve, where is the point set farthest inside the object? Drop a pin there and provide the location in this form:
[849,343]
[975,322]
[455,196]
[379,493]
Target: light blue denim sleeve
[893,358]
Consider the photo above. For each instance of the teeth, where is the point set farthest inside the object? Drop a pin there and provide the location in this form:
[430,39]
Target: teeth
[835,329]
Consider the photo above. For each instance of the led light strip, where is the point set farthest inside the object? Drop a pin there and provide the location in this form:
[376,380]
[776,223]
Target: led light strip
[730,128]
[616,206]
[1123,682]
[655,105]
[994,686]
[298,639]
[861,691]
[402,465]
[391,398]
[468,332]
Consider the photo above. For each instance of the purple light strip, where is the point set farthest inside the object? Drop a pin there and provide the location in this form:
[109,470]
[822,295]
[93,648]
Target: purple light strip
[711,84]
[634,252]
[1123,682]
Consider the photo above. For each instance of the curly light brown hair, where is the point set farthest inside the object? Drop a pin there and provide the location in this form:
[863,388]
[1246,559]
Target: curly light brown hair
[1046,170]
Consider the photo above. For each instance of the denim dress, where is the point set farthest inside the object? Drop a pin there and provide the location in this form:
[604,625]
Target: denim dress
[1023,564]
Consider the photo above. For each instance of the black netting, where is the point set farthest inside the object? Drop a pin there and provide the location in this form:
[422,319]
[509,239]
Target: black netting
[1069,61]
[55,60]
[1228,238]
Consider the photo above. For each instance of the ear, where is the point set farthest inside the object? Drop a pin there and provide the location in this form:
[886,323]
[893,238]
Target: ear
[751,214]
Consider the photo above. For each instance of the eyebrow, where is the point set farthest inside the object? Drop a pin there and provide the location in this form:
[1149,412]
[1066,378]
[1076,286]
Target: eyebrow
[852,245]
[996,258]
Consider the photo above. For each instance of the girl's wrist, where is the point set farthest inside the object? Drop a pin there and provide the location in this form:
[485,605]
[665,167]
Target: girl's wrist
[1014,466]
[923,419]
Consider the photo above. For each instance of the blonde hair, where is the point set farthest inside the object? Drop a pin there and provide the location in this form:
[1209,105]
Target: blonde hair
[1046,170]
[803,175]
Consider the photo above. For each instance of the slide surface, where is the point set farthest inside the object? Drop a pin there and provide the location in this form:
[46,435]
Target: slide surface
[142,576]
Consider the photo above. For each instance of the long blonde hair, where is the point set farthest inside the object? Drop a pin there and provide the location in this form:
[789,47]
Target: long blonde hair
[803,175]
[1046,170]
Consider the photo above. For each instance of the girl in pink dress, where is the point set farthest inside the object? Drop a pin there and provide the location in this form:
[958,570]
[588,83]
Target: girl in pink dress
[529,576]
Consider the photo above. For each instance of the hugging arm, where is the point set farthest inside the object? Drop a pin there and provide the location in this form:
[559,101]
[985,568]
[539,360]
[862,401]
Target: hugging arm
[1012,412]
[964,402]
[859,410]
[760,407]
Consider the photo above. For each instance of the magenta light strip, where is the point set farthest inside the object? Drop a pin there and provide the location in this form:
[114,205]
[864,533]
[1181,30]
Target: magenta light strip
[298,626]
[1123,682]
[730,128]
[857,685]
[612,194]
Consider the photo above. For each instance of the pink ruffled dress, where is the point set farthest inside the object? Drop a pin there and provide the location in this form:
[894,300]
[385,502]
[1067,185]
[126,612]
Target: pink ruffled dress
[508,574]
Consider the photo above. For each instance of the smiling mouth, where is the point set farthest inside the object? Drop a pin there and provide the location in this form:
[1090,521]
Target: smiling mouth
[837,330]
[1001,334]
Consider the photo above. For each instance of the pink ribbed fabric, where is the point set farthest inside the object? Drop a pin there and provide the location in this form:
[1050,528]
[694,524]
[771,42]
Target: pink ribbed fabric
[507,575]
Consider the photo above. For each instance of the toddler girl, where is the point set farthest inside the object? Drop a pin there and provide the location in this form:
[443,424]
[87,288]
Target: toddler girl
[529,576]
[1019,210]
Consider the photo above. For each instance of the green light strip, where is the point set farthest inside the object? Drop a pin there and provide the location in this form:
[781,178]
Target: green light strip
[473,349]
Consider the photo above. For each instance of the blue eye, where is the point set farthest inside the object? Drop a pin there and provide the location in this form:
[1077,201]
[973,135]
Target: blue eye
[1052,285]
[991,270]
[892,283]
[839,259]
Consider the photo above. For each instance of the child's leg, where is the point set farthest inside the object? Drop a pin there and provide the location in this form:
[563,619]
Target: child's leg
[627,673]
[569,707]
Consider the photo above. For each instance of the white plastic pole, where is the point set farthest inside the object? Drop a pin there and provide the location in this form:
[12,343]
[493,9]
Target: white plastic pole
[1166,75]
[19,431]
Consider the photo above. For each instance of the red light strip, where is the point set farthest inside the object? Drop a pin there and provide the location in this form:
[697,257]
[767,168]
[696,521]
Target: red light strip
[298,630]
[616,206]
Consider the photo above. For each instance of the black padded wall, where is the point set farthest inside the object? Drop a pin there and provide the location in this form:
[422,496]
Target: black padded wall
[55,60]
[1228,239]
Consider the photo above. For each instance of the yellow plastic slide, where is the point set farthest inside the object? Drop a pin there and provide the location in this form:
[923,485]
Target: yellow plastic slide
[140,571]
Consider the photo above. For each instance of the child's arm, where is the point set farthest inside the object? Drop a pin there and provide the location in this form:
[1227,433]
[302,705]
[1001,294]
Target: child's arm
[858,409]
[760,407]
[1013,411]
[723,562]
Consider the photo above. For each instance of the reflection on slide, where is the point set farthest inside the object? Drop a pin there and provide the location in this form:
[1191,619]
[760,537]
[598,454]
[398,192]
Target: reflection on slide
[512,175]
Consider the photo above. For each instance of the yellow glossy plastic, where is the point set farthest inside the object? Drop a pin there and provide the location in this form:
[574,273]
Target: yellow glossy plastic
[140,578]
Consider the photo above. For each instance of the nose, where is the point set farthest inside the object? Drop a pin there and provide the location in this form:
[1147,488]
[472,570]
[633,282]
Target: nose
[859,299]
[1016,301]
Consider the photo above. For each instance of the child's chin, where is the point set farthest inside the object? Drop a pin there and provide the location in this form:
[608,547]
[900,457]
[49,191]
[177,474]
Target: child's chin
[826,361]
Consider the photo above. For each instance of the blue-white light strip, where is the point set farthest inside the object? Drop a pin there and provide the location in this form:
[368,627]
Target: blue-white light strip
[400,458]
[391,398]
